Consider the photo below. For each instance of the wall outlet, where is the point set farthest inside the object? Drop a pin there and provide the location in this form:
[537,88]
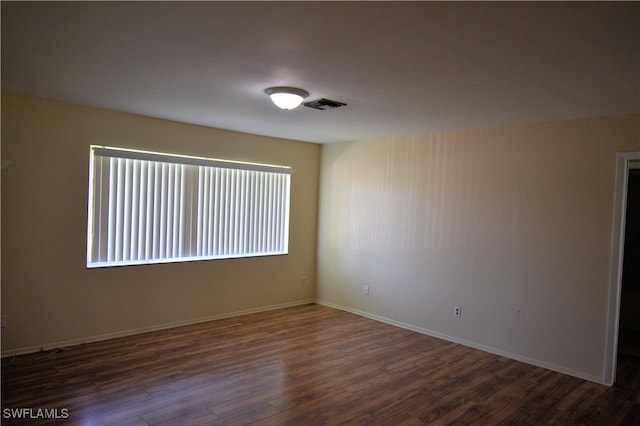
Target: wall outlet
[303,281]
[365,290]
[457,311]
[3,320]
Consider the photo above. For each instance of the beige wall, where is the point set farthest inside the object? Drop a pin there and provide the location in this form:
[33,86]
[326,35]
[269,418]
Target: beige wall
[512,224]
[48,293]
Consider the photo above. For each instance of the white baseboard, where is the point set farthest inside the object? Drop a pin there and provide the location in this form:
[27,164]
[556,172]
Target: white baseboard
[131,332]
[484,348]
[517,357]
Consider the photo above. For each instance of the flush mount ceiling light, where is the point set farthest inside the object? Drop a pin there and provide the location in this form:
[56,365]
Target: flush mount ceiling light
[286,97]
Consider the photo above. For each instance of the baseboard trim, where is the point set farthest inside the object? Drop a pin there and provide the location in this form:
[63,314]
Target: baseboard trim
[141,330]
[474,345]
[484,348]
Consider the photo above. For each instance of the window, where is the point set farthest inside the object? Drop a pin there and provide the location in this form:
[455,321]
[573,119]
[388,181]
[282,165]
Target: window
[149,207]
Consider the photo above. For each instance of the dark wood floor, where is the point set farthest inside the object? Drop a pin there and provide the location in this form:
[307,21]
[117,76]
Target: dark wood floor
[307,365]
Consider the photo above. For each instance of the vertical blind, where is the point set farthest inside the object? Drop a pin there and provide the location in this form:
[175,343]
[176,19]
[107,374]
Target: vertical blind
[149,207]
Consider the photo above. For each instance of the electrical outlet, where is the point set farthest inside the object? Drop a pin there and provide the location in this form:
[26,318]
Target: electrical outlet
[457,311]
[303,281]
[3,320]
[365,290]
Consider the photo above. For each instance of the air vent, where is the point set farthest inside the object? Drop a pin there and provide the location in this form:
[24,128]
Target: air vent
[324,104]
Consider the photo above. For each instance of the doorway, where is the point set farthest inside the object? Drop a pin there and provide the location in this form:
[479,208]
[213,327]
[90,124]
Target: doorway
[625,163]
[629,324]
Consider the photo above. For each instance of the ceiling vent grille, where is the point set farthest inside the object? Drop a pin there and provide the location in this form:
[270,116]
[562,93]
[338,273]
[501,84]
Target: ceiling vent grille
[324,104]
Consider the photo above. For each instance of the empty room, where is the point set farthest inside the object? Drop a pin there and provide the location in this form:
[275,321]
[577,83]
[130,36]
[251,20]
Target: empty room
[320,213]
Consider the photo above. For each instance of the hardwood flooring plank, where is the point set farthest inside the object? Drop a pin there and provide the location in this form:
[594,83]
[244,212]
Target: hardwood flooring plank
[132,421]
[308,365]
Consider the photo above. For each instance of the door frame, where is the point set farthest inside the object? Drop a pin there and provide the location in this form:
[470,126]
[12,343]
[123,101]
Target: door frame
[623,164]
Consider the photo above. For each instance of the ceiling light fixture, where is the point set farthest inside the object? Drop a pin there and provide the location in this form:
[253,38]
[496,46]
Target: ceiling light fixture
[286,97]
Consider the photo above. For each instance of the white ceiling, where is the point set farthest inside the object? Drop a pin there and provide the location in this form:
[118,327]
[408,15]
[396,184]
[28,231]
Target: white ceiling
[402,67]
